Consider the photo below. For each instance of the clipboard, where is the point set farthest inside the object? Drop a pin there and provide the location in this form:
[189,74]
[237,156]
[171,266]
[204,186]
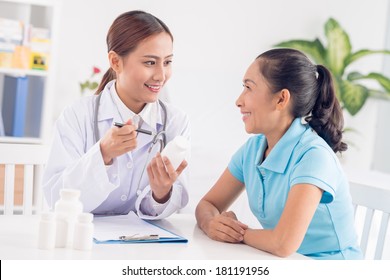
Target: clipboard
[112,229]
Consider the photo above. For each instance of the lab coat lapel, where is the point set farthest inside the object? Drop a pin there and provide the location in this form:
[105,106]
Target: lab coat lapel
[144,139]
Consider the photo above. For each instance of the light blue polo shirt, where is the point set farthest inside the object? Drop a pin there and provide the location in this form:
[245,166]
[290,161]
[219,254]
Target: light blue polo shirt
[300,156]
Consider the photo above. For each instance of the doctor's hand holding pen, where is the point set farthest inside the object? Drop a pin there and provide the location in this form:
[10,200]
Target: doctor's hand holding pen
[117,141]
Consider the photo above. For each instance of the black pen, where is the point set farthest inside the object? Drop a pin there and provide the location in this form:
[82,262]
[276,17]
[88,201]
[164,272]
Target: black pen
[140,130]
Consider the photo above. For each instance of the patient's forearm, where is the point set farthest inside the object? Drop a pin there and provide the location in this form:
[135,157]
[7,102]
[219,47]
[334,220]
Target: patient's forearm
[204,212]
[270,241]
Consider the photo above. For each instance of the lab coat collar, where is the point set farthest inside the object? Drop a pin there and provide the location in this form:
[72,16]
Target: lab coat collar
[108,109]
[279,157]
[150,115]
[124,112]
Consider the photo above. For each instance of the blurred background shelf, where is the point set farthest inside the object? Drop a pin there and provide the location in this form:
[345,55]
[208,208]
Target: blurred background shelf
[26,106]
[23,72]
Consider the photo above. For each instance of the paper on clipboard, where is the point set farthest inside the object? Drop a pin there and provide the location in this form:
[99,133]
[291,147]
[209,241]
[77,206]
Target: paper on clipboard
[109,229]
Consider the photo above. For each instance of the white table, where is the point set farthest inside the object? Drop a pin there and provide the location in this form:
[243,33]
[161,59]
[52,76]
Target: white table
[19,235]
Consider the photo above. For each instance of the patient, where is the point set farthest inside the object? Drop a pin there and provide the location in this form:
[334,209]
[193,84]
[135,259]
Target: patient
[295,185]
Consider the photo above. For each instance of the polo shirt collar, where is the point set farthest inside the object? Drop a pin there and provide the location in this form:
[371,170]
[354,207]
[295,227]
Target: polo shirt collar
[279,157]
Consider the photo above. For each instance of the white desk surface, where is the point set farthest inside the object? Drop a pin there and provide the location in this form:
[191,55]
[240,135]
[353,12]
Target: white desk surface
[19,235]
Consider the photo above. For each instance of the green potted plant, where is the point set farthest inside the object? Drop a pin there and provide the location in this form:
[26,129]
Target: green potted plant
[337,56]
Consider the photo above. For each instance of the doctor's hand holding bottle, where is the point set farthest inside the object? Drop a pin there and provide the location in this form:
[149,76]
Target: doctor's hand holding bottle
[117,141]
[162,175]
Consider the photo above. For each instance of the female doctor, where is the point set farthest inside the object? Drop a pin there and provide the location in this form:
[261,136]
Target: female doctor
[118,169]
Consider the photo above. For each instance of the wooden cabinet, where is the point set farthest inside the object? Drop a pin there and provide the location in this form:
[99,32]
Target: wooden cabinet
[18,194]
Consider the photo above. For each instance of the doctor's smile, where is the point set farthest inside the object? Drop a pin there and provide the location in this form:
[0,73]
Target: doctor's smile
[154,88]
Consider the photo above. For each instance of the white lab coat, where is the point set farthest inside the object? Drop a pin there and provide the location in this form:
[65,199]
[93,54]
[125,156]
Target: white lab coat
[75,161]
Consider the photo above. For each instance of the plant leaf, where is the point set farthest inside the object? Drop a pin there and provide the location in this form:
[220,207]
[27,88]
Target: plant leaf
[93,85]
[314,49]
[353,96]
[359,54]
[379,94]
[381,79]
[339,47]
[355,76]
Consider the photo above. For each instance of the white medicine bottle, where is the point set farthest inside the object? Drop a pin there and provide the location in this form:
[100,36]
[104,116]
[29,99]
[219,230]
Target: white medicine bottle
[176,150]
[47,231]
[83,232]
[61,230]
[67,208]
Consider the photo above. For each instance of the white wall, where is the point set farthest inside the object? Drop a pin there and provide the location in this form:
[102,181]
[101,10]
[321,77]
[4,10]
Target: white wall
[215,41]
[382,150]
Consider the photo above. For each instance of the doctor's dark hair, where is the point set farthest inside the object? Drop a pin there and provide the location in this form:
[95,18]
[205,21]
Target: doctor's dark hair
[312,92]
[126,32]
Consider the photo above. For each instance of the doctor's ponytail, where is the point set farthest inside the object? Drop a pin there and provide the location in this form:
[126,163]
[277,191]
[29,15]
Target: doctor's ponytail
[126,32]
[107,77]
